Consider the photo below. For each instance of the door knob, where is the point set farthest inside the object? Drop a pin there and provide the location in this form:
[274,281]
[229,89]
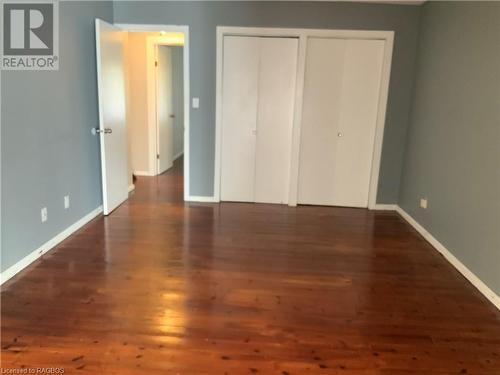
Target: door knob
[172,116]
[339,134]
[99,131]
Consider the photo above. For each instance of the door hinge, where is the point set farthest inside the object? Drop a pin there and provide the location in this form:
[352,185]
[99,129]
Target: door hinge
[157,156]
[156,63]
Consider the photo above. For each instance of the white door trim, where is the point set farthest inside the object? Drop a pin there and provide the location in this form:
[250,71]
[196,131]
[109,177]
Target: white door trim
[152,95]
[303,35]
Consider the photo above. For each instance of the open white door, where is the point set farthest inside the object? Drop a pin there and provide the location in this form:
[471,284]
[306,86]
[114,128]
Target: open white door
[110,42]
[164,109]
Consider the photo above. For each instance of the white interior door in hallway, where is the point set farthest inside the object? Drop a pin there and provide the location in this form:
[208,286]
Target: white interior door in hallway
[339,115]
[164,109]
[258,92]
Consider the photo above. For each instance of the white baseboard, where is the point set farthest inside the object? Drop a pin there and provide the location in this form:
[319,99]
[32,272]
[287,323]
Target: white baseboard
[49,245]
[468,274]
[131,188]
[143,173]
[384,207]
[178,155]
[194,198]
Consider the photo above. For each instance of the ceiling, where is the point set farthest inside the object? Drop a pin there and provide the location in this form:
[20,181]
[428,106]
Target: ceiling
[403,2]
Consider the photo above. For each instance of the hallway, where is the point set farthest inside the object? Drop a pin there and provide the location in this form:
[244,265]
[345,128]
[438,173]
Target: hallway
[167,287]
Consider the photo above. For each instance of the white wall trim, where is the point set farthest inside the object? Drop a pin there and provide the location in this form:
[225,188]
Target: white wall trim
[195,198]
[151,91]
[131,188]
[468,274]
[143,173]
[384,207]
[47,246]
[178,155]
[447,254]
[303,35]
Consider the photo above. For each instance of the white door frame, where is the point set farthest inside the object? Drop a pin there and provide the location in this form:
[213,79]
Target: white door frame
[303,35]
[151,93]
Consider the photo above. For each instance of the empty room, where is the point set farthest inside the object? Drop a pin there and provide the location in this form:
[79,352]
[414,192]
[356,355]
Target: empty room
[250,187]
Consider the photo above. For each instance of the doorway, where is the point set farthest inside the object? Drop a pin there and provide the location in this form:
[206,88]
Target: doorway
[143,104]
[169,105]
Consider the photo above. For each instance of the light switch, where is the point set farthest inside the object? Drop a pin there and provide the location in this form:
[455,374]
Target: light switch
[43,214]
[423,203]
[196,103]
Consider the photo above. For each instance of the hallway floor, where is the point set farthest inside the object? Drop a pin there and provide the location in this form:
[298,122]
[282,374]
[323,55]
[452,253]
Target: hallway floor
[166,287]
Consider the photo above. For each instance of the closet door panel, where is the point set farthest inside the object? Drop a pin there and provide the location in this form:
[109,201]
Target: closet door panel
[322,101]
[357,123]
[276,98]
[239,117]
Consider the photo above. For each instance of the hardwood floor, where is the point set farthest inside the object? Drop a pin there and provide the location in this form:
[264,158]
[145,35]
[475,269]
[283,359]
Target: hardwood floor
[163,287]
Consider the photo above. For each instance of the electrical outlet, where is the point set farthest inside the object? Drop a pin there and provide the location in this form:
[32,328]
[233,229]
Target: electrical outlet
[66,202]
[423,203]
[43,214]
[196,103]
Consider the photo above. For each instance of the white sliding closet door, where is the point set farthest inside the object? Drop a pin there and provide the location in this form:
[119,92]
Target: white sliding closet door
[258,91]
[341,95]
[278,70]
[239,117]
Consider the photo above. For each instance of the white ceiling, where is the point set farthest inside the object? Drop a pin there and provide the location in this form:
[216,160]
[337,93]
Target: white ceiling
[404,2]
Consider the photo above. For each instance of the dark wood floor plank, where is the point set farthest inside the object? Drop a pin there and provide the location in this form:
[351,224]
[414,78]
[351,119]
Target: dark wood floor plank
[166,287]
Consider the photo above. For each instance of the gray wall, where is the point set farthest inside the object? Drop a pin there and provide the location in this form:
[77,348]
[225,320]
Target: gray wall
[203,17]
[47,149]
[453,151]
[178,98]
